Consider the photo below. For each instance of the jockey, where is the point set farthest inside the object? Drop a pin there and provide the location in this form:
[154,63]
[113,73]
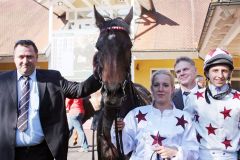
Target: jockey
[216,109]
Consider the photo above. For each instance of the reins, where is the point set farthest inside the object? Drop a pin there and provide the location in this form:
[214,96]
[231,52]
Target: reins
[118,134]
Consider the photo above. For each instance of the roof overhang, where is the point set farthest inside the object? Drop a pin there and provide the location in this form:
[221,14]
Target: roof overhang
[221,28]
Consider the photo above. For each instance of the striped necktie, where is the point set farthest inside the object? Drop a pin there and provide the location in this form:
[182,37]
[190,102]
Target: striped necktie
[23,107]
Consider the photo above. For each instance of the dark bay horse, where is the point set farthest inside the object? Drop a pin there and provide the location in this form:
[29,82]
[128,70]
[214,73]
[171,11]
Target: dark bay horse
[119,94]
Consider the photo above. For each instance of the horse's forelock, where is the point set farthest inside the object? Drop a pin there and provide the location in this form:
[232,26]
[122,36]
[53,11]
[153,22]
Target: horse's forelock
[113,69]
[118,22]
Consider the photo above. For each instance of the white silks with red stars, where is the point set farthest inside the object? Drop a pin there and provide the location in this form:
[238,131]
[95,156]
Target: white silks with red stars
[147,126]
[217,123]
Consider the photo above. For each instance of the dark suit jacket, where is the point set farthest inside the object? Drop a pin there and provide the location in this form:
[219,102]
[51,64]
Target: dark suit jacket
[178,99]
[53,89]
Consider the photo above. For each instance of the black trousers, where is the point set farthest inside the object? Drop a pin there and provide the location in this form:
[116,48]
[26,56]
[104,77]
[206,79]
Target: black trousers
[37,152]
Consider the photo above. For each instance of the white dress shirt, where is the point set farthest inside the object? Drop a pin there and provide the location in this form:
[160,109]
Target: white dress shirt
[34,134]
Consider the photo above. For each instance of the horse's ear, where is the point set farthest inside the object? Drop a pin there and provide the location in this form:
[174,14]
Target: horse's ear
[98,17]
[129,17]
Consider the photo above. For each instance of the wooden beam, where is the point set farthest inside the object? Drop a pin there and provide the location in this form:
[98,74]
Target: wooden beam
[69,4]
[42,1]
[89,4]
[232,33]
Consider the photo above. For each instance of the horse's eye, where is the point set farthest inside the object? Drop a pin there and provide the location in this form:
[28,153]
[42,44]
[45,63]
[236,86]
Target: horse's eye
[99,47]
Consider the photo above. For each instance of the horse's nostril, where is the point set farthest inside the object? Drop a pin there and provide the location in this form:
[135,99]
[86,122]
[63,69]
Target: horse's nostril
[120,92]
[114,93]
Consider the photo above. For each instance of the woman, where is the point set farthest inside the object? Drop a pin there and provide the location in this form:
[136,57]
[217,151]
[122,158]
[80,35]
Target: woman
[160,130]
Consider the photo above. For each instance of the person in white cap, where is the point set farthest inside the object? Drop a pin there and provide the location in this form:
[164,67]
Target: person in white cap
[216,110]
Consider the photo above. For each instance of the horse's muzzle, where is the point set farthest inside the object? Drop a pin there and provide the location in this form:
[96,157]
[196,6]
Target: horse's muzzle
[112,95]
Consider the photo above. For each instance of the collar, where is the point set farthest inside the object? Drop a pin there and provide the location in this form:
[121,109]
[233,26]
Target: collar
[166,112]
[32,76]
[193,90]
[214,89]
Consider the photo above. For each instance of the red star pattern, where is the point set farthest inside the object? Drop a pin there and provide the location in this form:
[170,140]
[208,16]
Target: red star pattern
[157,139]
[227,143]
[211,130]
[141,116]
[211,52]
[236,95]
[196,118]
[226,112]
[181,121]
[199,94]
[199,137]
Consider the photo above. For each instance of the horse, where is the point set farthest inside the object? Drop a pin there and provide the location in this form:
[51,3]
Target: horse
[112,62]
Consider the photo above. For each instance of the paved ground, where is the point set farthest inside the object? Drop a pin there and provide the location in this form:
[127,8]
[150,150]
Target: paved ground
[73,153]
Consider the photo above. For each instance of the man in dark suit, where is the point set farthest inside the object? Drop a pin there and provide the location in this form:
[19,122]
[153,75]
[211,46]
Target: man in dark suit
[185,71]
[32,109]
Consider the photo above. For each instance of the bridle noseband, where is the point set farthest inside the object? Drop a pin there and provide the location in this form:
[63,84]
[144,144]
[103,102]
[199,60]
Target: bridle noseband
[122,86]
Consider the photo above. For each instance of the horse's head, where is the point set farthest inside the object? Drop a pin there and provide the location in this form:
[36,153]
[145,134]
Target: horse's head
[113,56]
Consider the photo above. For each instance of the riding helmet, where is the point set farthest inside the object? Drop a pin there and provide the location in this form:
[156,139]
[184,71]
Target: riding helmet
[217,56]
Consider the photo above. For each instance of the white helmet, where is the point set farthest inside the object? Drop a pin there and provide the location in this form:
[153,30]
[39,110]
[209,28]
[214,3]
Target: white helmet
[217,56]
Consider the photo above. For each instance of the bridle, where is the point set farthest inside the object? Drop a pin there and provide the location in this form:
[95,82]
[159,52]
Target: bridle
[123,84]
[128,76]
